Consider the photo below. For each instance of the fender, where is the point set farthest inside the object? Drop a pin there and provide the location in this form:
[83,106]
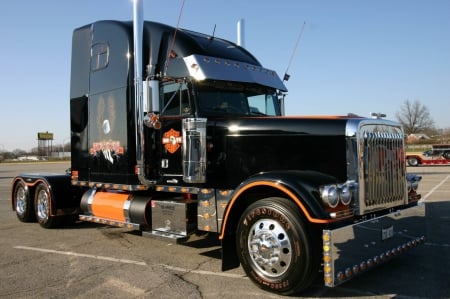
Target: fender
[300,186]
[418,157]
[64,196]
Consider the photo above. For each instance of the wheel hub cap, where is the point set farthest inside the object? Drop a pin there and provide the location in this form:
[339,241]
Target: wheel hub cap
[42,205]
[21,202]
[269,247]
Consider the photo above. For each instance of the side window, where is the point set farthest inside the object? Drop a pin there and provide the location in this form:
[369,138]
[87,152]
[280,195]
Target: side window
[99,56]
[175,99]
[262,105]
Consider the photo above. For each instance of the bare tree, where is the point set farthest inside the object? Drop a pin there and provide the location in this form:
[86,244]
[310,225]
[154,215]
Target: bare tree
[414,117]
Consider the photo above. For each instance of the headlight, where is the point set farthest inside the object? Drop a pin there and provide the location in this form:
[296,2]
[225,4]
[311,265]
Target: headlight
[413,181]
[346,194]
[332,194]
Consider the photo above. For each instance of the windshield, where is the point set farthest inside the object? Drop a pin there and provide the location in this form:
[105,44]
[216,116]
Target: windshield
[230,98]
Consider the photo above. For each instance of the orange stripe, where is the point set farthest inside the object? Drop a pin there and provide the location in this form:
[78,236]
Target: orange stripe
[309,117]
[279,187]
[319,117]
[31,184]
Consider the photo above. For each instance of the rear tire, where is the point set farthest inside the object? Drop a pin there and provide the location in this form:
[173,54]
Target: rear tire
[43,205]
[22,203]
[275,248]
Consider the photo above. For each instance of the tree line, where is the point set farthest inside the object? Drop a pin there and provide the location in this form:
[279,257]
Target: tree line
[416,119]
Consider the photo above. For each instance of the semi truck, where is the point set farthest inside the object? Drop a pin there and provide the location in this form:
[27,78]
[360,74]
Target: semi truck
[174,133]
[438,155]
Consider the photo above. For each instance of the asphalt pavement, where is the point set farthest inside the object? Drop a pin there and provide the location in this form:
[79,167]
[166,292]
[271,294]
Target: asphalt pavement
[90,260]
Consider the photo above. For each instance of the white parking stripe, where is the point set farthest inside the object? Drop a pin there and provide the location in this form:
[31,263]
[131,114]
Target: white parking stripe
[125,261]
[97,257]
[177,269]
[435,187]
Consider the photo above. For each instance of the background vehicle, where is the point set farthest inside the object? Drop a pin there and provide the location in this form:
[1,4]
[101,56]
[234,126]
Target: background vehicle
[438,155]
[200,145]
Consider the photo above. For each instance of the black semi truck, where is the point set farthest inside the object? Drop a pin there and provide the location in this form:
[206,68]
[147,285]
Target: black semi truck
[175,132]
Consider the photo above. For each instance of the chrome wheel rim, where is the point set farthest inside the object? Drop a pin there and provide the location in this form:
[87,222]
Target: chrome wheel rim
[270,248]
[21,201]
[42,205]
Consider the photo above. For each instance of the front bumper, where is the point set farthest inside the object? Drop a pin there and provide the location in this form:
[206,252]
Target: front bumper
[351,250]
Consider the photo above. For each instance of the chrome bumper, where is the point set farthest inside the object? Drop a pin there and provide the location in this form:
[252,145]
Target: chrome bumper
[354,249]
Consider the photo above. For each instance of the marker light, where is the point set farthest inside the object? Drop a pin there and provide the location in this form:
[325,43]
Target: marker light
[346,272]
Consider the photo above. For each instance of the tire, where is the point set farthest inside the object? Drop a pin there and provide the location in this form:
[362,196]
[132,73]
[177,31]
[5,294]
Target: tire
[22,203]
[274,247]
[412,161]
[446,155]
[42,206]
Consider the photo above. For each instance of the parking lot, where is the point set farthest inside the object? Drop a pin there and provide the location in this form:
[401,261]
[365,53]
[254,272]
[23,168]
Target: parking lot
[90,260]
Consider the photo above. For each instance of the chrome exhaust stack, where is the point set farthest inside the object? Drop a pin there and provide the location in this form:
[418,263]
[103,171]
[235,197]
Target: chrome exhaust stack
[241,33]
[138,28]
[142,102]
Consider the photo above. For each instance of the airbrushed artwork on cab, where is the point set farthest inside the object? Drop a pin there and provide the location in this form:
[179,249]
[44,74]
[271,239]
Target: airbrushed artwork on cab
[107,138]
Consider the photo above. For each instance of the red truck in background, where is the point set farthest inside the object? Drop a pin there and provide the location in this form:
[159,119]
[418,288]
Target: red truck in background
[438,155]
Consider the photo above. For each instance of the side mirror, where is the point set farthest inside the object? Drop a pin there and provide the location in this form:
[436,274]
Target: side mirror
[151,96]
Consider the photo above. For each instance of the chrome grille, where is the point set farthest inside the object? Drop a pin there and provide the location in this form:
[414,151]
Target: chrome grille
[381,166]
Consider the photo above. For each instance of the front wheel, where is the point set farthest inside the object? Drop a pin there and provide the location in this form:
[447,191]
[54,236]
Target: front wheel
[42,205]
[275,248]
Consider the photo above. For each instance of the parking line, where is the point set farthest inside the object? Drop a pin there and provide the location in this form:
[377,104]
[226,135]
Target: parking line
[202,272]
[436,187]
[97,257]
[125,261]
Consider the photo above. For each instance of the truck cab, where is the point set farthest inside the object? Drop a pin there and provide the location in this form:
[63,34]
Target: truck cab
[191,76]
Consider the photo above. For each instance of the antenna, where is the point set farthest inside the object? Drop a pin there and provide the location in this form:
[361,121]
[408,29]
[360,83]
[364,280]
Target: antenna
[286,75]
[214,32]
[174,36]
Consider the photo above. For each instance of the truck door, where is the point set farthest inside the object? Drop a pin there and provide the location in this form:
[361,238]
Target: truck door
[175,105]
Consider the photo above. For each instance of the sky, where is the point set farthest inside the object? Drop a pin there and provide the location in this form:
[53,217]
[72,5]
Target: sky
[346,56]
